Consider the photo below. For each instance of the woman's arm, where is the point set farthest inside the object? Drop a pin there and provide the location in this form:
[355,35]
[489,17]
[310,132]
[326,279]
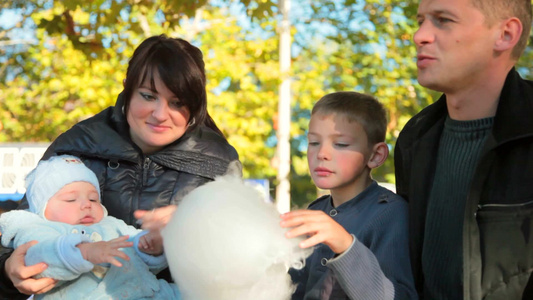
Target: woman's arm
[16,280]
[56,247]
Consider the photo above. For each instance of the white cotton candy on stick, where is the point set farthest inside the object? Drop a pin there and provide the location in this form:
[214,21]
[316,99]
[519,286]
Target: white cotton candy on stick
[225,242]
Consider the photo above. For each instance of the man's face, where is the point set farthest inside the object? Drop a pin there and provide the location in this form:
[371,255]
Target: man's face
[454,45]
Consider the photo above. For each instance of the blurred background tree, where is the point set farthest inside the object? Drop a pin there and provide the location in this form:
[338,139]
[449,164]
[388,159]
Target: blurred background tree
[64,61]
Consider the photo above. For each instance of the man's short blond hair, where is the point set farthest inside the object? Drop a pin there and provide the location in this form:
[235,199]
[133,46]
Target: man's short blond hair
[495,10]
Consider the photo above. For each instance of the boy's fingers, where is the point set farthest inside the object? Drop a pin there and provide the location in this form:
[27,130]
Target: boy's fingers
[303,218]
[289,223]
[312,241]
[304,229]
[293,220]
[300,212]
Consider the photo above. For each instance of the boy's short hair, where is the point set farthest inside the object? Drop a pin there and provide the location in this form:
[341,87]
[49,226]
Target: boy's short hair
[495,10]
[356,107]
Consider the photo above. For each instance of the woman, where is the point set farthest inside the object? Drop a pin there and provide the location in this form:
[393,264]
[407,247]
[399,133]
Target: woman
[148,151]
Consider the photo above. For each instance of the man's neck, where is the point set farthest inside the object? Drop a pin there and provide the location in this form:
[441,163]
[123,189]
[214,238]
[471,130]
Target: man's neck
[479,100]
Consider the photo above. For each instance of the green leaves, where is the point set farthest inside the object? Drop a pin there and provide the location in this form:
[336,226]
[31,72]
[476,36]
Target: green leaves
[76,63]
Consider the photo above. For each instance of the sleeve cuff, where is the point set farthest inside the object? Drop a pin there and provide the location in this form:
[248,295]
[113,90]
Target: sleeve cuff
[157,262]
[340,256]
[70,255]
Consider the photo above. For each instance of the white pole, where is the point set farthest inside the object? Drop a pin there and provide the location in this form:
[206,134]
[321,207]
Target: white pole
[283,196]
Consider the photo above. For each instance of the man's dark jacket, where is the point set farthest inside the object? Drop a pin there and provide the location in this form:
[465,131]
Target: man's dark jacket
[498,219]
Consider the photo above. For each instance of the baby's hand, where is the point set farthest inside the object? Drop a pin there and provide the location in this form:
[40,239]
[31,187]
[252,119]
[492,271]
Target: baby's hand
[318,227]
[151,243]
[105,252]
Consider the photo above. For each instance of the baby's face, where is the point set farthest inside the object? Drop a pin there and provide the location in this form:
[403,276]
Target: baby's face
[75,203]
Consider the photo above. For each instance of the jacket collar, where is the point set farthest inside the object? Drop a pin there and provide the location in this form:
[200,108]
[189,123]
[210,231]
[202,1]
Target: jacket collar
[513,116]
[106,136]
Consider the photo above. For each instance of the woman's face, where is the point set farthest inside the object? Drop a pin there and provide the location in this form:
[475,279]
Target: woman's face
[156,117]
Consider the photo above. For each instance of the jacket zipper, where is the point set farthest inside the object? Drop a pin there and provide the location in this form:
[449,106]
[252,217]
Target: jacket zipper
[489,206]
[146,166]
[144,176]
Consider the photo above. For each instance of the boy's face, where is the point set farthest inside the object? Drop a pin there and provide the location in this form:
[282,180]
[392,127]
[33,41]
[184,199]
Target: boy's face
[75,203]
[455,45]
[338,154]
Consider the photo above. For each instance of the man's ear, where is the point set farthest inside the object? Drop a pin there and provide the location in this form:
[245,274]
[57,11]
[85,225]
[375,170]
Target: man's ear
[509,34]
[380,152]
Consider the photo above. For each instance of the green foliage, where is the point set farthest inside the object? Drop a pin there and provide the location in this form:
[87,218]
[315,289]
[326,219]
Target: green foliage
[247,65]
[76,64]
[370,51]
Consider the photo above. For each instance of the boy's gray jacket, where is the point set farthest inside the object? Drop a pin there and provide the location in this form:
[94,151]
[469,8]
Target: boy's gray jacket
[498,220]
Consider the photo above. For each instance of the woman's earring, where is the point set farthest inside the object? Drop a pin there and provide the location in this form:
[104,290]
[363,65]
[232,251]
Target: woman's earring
[191,122]
[123,110]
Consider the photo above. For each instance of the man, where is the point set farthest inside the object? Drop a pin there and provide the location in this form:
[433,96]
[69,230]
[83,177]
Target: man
[465,163]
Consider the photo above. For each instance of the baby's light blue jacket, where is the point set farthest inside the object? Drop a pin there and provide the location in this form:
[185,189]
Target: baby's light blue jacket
[79,278]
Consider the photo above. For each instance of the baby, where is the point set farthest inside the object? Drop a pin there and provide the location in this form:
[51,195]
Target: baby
[85,249]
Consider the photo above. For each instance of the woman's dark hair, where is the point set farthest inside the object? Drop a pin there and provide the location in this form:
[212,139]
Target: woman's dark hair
[181,68]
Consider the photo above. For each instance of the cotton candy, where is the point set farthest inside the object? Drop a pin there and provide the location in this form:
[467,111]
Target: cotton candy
[225,242]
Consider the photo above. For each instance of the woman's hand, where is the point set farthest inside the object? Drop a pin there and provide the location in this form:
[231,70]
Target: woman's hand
[155,219]
[21,275]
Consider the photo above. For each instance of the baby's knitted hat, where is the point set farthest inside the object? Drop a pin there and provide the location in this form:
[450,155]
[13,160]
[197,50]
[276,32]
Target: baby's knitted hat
[53,174]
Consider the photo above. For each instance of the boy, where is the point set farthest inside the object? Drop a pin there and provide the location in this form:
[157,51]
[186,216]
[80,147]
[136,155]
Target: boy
[79,242]
[360,228]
